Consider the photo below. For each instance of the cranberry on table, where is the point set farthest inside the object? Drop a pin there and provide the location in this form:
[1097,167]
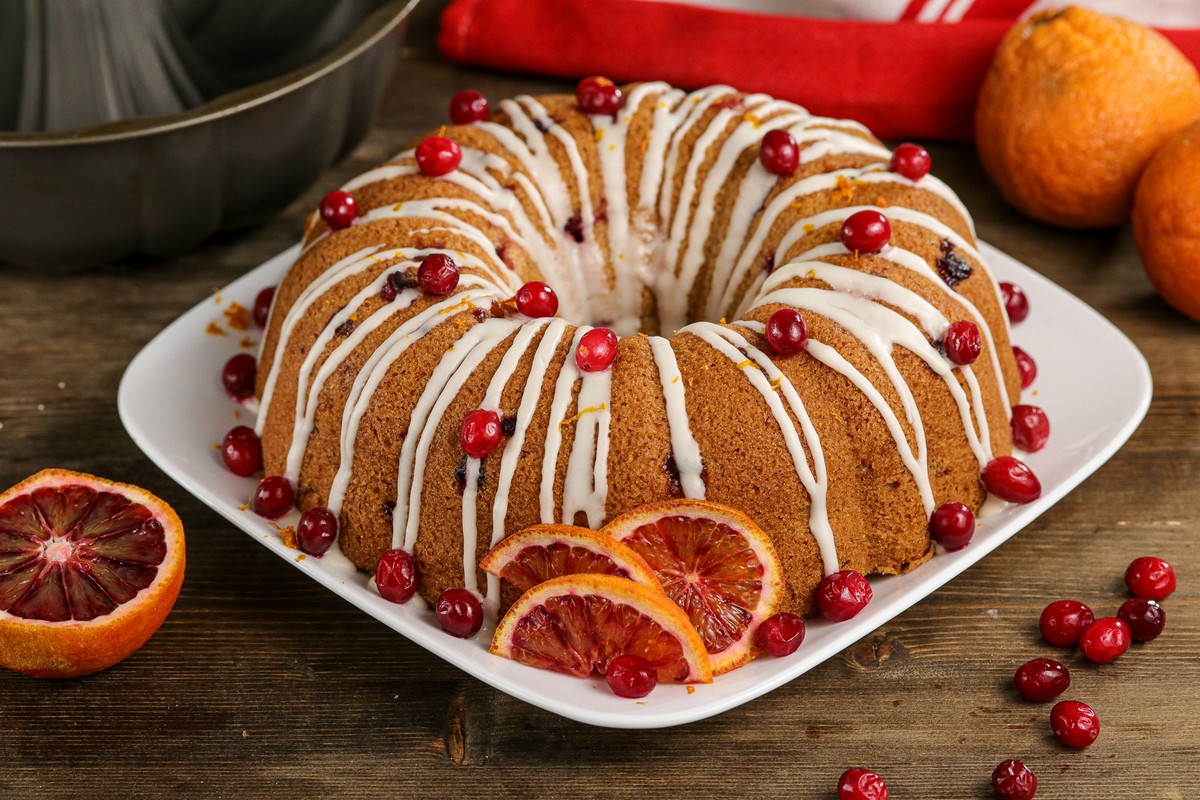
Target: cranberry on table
[536,299]
[779,152]
[262,306]
[1026,367]
[273,497]
[396,576]
[468,106]
[787,332]
[481,433]
[631,676]
[316,531]
[1011,480]
[438,274]
[1016,303]
[1150,578]
[780,634]
[338,210]
[1145,618]
[1030,427]
[866,231]
[238,376]
[598,95]
[437,156]
[1105,639]
[962,342]
[597,350]
[911,160]
[1012,780]
[861,784]
[952,525]
[1064,621]
[459,612]
[842,595]
[241,451]
[1074,723]
[1041,679]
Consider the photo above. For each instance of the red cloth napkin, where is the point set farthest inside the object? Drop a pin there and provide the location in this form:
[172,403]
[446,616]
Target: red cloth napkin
[902,79]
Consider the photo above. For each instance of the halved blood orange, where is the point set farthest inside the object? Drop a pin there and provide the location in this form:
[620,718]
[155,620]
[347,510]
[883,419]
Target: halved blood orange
[542,552]
[715,563]
[89,569]
[577,624]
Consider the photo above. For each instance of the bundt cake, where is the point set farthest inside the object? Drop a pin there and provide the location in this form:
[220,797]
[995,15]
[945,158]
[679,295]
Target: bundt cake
[660,215]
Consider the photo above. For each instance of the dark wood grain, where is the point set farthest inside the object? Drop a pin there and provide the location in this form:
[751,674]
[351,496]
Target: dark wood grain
[262,684]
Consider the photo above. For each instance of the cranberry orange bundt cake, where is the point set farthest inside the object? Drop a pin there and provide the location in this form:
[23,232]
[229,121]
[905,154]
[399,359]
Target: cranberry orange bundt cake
[574,305]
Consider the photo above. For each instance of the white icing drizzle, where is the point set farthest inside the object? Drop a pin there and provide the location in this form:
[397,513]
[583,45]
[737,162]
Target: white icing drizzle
[683,445]
[564,387]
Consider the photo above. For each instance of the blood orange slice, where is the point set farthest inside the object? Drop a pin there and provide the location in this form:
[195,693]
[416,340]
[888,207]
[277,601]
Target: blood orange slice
[542,552]
[715,563]
[577,624]
[89,569]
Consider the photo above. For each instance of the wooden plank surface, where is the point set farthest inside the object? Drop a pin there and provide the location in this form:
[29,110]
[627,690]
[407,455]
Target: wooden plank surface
[262,684]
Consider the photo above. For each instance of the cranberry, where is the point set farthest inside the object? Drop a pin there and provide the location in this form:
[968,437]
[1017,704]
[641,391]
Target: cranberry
[631,676]
[787,333]
[1016,303]
[1011,481]
[911,160]
[481,433]
[438,155]
[1026,366]
[242,451]
[1150,578]
[459,612]
[1145,618]
[780,634]
[597,95]
[952,525]
[468,106]
[962,342]
[262,306]
[1041,679]
[1074,723]
[536,299]
[238,376]
[273,498]
[842,595]
[1012,780]
[338,210]
[779,152]
[1064,621]
[861,784]
[1030,428]
[316,531]
[396,576]
[866,231]
[438,274]
[1105,639]
[597,350]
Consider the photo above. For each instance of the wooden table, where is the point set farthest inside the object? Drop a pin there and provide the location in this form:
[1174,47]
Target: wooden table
[262,684]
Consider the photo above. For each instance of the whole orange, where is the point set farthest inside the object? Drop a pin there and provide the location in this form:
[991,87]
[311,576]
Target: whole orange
[1074,105]
[1166,220]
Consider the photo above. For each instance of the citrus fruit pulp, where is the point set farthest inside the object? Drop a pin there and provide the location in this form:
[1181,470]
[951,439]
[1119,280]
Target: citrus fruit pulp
[577,624]
[715,563]
[89,569]
[542,552]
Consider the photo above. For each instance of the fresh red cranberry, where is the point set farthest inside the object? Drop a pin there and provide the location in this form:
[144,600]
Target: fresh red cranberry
[438,274]
[1064,621]
[842,595]
[1030,428]
[1041,679]
[481,433]
[438,155]
[952,525]
[316,531]
[911,160]
[238,376]
[1145,618]
[459,612]
[1012,780]
[779,152]
[242,451]
[339,210]
[597,95]
[468,106]
[861,784]
[1150,578]
[866,231]
[1016,302]
[1074,723]
[1011,481]
[780,634]
[1026,366]
[597,350]
[262,306]
[536,299]
[273,497]
[631,676]
[396,576]
[962,343]
[787,333]
[1105,639]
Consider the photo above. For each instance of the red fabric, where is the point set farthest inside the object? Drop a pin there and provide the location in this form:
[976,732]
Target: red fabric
[902,80]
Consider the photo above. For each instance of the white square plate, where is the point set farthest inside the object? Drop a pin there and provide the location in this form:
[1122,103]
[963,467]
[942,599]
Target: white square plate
[1092,381]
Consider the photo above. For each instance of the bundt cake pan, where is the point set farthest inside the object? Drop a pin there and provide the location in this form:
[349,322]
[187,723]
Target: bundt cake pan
[160,185]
